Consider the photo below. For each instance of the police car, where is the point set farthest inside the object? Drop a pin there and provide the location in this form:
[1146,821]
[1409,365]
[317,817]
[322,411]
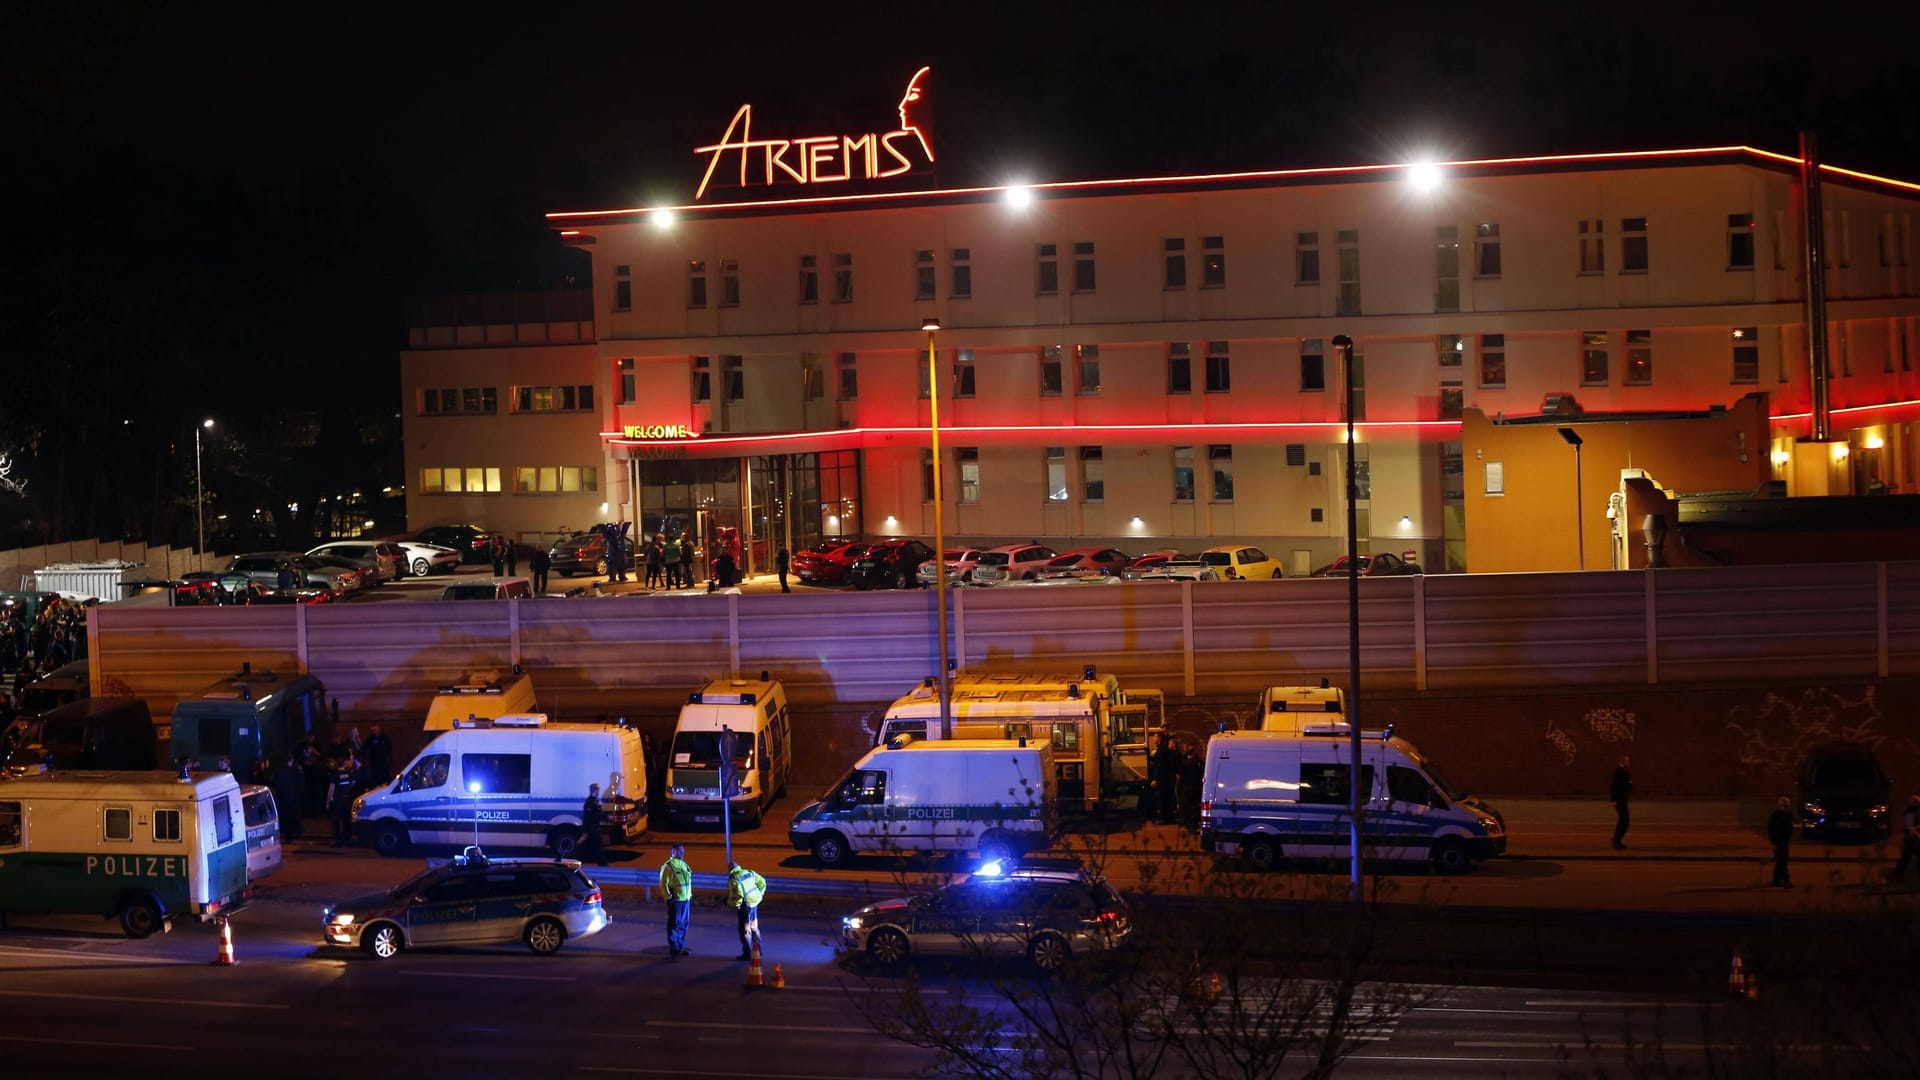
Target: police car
[473,900]
[1045,914]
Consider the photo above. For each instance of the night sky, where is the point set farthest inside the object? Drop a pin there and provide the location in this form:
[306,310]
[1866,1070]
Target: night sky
[220,210]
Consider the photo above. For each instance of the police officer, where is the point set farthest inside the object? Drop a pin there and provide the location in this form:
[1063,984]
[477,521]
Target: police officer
[340,796]
[676,884]
[744,891]
[592,821]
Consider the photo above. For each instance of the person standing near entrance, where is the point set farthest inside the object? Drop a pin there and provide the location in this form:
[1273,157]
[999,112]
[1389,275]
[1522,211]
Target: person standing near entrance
[686,560]
[1780,835]
[653,562]
[782,561]
[676,884]
[744,891]
[538,564]
[670,558]
[1621,793]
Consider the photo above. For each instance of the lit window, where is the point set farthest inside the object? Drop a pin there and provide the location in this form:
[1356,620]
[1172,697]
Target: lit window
[968,459]
[1493,360]
[1056,474]
[1183,474]
[1450,350]
[1496,478]
[1176,277]
[1593,358]
[1639,358]
[1213,262]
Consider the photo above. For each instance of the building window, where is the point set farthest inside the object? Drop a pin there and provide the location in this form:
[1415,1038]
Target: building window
[1348,300]
[925,377]
[1450,349]
[1093,480]
[1219,368]
[923,275]
[1846,239]
[1739,241]
[1356,379]
[1639,358]
[1446,268]
[1493,360]
[1087,360]
[1296,455]
[696,283]
[1452,400]
[1083,266]
[849,376]
[1746,354]
[1593,246]
[963,386]
[623,288]
[1486,250]
[1496,478]
[1047,267]
[1056,474]
[1220,463]
[1317,515]
[733,377]
[1633,245]
[969,460]
[843,279]
[1179,368]
[1313,365]
[627,382]
[1183,474]
[1176,262]
[552,398]
[1593,358]
[809,279]
[961,260]
[555,479]
[1900,336]
[1306,258]
[455,481]
[454,400]
[1050,378]
[926,476]
[812,384]
[702,379]
[1213,262]
[729,283]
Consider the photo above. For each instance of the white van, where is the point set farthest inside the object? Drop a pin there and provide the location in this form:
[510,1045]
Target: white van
[513,781]
[143,847]
[263,830]
[994,796]
[755,710]
[1273,795]
[481,695]
[1297,708]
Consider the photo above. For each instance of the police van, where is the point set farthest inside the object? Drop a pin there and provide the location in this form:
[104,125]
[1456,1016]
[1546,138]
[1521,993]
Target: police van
[481,695]
[246,717]
[998,797]
[1099,730]
[143,847]
[263,830]
[513,781]
[1273,795]
[755,711]
[1296,708]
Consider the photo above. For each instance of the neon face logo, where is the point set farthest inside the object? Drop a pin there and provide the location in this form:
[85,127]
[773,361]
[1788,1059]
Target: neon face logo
[825,159]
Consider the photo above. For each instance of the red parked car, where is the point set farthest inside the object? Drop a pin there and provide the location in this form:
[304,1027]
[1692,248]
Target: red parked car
[1088,562]
[1383,564]
[826,563]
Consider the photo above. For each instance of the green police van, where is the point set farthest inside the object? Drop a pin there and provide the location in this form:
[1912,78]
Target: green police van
[143,847]
[246,717]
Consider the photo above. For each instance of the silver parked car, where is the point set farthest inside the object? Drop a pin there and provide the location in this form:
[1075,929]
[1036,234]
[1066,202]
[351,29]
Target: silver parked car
[368,556]
[264,567]
[473,900]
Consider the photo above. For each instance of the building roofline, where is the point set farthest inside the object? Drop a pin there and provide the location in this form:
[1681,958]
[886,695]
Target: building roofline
[1252,179]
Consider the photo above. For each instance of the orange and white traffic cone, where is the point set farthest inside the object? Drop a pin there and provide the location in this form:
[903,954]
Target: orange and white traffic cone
[223,957]
[755,979]
[779,978]
[1737,977]
[1213,985]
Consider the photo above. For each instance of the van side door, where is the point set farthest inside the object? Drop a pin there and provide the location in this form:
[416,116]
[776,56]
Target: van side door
[430,807]
[865,798]
[1404,819]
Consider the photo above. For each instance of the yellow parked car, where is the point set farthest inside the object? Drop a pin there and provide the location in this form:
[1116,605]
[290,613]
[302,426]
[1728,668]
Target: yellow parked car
[1241,563]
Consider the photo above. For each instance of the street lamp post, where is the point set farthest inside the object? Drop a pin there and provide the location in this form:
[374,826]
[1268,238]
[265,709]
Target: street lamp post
[1572,438]
[932,327]
[1343,345]
[199,498]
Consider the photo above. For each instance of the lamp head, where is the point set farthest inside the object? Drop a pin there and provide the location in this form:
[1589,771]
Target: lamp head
[929,324]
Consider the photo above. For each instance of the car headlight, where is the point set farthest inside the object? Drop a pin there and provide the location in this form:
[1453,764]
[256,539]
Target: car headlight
[340,920]
[1490,824]
[1814,808]
[852,922]
[1878,810]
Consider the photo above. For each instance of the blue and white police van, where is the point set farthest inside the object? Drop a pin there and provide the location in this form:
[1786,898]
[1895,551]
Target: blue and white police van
[1268,796]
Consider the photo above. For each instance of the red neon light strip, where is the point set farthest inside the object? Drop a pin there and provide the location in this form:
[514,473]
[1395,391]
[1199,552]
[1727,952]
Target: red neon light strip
[1079,429]
[1780,418]
[1264,174]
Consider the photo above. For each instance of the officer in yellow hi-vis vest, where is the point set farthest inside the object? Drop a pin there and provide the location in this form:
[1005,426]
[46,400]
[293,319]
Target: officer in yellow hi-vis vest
[676,884]
[744,890]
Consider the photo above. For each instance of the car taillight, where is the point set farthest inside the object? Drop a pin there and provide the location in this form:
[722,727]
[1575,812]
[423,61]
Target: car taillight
[1206,809]
[1109,916]
[1232,574]
[593,897]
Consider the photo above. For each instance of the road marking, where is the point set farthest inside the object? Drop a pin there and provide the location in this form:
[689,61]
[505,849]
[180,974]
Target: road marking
[1556,1044]
[762,1027]
[94,1042]
[1495,1012]
[488,975]
[70,954]
[144,1000]
[1613,1004]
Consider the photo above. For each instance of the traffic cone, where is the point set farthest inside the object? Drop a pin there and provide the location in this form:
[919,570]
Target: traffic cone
[223,957]
[1753,986]
[779,978]
[755,979]
[1737,977]
[1213,985]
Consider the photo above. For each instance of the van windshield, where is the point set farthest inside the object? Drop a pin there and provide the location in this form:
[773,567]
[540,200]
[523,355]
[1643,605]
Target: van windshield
[701,750]
[1452,793]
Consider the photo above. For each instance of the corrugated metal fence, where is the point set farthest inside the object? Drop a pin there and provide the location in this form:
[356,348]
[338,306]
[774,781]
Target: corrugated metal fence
[1855,621]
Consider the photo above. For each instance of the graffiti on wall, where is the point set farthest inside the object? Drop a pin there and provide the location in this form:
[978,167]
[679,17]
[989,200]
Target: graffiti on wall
[1773,736]
[1608,725]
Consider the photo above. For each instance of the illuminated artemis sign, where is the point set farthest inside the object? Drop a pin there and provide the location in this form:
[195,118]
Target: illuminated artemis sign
[824,159]
[657,431]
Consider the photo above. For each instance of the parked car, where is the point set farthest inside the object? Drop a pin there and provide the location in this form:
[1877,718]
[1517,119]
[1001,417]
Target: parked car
[472,542]
[502,588]
[1047,916]
[1382,564]
[1012,561]
[960,564]
[1083,562]
[1237,562]
[1181,568]
[1844,794]
[378,560]
[826,563]
[581,553]
[264,567]
[364,576]
[423,559]
[894,564]
[1152,560]
[473,900]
